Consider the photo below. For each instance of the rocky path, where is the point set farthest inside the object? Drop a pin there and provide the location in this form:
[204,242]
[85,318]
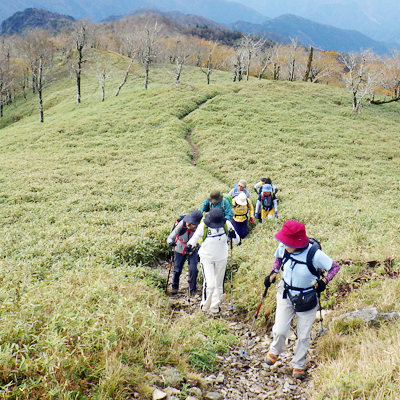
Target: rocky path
[247,377]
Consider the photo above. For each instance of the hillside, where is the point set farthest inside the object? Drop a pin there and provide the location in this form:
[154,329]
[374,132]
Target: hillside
[311,33]
[89,196]
[32,18]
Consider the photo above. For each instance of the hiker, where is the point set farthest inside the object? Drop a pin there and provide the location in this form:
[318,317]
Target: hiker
[216,232]
[178,239]
[267,203]
[238,188]
[298,279]
[217,200]
[243,212]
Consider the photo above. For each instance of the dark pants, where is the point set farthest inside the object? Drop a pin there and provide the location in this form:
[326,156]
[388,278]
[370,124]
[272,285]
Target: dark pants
[240,228]
[180,259]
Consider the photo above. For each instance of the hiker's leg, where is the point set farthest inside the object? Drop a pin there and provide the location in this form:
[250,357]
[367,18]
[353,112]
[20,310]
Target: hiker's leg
[178,265]
[240,228]
[271,214]
[305,321]
[257,210]
[193,260]
[220,269]
[284,314]
[208,283]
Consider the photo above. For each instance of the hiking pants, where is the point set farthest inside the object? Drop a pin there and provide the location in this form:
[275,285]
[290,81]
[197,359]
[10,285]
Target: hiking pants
[283,318]
[180,259]
[213,284]
[240,228]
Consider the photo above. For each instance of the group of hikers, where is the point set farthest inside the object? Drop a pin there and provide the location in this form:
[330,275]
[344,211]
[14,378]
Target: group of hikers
[300,260]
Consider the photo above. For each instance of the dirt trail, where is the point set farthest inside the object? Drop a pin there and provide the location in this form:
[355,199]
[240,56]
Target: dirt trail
[247,377]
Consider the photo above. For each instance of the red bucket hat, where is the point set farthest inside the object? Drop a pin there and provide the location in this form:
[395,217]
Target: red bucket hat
[293,234]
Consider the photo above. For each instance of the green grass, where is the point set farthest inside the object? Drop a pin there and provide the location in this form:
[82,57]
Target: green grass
[88,198]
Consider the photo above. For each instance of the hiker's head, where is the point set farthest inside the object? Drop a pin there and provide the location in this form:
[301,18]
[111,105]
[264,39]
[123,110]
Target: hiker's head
[215,218]
[215,197]
[293,235]
[266,180]
[241,199]
[193,219]
[266,188]
[242,185]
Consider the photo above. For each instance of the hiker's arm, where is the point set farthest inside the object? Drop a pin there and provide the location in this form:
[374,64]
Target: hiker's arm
[257,186]
[332,272]
[198,233]
[205,206]
[227,209]
[275,205]
[251,209]
[230,227]
[174,233]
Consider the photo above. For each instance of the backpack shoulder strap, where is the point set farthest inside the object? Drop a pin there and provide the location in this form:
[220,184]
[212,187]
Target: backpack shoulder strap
[310,256]
[309,261]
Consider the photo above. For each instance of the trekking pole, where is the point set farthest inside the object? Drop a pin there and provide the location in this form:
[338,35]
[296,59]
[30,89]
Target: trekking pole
[243,352]
[232,306]
[322,330]
[169,270]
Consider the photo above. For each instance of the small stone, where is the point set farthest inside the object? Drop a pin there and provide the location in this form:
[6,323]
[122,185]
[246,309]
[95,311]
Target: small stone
[213,396]
[159,395]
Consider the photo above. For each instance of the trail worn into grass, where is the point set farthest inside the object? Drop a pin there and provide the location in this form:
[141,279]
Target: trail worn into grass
[196,150]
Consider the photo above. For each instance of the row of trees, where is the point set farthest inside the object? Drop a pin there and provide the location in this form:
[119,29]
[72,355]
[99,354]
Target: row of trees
[33,60]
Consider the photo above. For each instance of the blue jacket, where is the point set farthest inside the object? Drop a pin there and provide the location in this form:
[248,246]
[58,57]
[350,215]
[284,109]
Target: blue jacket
[224,205]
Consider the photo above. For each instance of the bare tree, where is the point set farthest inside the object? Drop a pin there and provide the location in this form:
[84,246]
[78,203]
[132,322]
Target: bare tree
[360,78]
[149,48]
[293,52]
[210,60]
[250,46]
[102,68]
[80,39]
[129,41]
[39,50]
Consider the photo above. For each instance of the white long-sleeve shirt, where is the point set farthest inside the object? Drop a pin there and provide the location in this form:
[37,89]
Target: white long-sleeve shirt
[215,247]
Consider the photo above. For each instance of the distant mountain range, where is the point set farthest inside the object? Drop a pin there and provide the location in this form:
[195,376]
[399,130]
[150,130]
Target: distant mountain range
[35,18]
[375,18]
[312,33]
[222,11]
[279,29]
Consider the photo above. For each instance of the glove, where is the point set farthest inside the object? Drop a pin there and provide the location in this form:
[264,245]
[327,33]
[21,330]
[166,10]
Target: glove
[321,286]
[276,214]
[231,234]
[267,280]
[252,220]
[173,244]
[189,249]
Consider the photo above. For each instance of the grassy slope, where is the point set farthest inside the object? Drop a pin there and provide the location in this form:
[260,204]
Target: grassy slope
[93,191]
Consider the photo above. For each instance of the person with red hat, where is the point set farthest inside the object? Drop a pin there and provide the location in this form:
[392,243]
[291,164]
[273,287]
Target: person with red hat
[297,291]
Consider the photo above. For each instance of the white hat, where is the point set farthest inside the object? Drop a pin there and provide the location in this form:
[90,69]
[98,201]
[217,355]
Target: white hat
[241,199]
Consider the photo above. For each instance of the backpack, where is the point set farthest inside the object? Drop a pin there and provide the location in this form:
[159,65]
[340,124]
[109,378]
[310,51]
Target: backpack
[206,229]
[225,196]
[315,245]
[179,219]
[267,201]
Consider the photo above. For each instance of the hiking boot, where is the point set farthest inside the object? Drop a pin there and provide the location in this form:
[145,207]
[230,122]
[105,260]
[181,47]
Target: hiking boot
[194,293]
[174,291]
[271,358]
[298,373]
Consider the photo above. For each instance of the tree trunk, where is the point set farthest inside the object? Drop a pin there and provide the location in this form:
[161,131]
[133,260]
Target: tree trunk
[39,88]
[125,77]
[146,76]
[309,64]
